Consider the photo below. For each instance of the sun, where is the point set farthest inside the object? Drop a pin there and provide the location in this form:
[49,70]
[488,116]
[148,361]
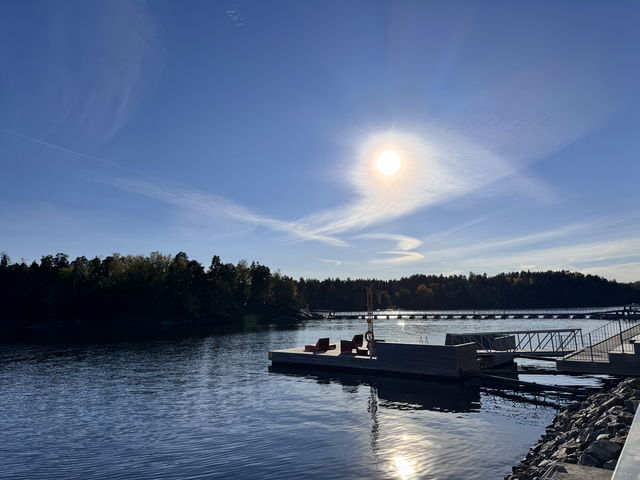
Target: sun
[388,162]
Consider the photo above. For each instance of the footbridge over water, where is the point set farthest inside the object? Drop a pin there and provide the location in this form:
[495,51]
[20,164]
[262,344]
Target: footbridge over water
[603,313]
[549,342]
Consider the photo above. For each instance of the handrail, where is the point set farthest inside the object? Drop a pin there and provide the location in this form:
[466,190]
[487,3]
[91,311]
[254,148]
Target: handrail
[599,342]
[512,311]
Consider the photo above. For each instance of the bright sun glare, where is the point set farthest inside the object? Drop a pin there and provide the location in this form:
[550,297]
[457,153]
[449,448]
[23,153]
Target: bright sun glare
[388,162]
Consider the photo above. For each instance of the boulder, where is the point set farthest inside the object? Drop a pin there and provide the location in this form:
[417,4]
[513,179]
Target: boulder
[588,460]
[610,464]
[545,463]
[619,440]
[573,407]
[631,406]
[625,418]
[612,402]
[602,450]
[584,434]
[617,429]
[633,383]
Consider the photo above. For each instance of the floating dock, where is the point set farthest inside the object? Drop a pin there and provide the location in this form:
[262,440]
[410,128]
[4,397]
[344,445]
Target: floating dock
[453,361]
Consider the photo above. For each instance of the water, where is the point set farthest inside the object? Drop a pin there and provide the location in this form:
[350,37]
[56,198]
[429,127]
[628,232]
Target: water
[208,408]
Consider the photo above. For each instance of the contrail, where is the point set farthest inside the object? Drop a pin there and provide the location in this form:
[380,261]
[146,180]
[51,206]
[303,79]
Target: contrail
[71,152]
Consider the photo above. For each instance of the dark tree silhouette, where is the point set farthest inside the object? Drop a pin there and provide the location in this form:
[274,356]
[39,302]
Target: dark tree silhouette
[154,289]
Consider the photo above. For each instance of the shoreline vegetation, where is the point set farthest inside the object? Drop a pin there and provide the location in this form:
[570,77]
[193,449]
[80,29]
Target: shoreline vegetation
[165,291]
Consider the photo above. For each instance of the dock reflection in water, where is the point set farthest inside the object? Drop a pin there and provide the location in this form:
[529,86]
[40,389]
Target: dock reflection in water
[401,393]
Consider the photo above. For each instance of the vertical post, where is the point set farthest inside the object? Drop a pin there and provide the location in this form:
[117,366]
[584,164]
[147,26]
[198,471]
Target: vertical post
[371,342]
[621,340]
[591,346]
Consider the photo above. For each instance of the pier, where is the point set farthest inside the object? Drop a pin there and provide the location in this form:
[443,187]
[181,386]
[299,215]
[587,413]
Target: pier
[603,313]
[613,348]
[453,361]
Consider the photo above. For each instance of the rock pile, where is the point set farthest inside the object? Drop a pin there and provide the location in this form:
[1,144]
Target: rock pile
[591,432]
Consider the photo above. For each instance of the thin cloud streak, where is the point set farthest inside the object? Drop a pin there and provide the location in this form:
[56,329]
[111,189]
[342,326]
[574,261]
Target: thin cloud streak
[91,88]
[612,229]
[331,261]
[212,206]
[404,242]
[621,272]
[475,248]
[75,153]
[404,247]
[399,256]
[577,255]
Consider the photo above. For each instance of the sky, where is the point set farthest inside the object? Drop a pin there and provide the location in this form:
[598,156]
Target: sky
[254,130]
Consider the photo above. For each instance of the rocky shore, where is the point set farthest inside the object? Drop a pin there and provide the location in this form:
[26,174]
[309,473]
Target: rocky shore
[590,433]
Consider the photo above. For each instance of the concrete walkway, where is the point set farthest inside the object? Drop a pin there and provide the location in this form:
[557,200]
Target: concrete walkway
[569,471]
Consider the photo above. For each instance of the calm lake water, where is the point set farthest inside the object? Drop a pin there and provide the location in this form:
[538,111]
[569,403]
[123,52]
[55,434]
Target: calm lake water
[208,408]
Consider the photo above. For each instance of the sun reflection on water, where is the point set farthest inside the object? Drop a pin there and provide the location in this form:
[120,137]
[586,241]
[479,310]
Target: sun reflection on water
[403,467]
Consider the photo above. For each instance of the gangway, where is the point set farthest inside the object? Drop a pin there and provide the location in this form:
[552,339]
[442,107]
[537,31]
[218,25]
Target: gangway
[547,342]
[599,342]
[612,349]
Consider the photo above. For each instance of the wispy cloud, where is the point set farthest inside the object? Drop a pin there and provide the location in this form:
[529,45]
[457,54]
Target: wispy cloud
[574,254]
[403,252]
[399,256]
[404,242]
[236,18]
[616,257]
[94,63]
[476,248]
[608,230]
[622,272]
[211,206]
[437,166]
[539,110]
[75,153]
[331,261]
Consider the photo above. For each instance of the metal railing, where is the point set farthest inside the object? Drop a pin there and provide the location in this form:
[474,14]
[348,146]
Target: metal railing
[588,311]
[549,340]
[611,336]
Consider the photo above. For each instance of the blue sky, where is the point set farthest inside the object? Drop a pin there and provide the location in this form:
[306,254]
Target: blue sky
[251,129]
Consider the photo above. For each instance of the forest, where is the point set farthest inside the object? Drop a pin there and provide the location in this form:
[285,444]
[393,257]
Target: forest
[124,289]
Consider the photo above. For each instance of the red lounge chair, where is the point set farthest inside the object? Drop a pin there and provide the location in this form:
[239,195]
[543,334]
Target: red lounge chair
[347,346]
[321,345]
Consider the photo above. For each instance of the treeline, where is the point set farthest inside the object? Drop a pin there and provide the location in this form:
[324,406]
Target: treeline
[135,288]
[165,288]
[507,290]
